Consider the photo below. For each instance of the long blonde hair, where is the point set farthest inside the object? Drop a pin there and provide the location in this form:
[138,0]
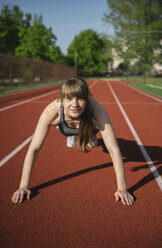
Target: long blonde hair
[76,86]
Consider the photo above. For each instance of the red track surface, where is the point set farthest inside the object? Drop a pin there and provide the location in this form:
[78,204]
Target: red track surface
[73,204]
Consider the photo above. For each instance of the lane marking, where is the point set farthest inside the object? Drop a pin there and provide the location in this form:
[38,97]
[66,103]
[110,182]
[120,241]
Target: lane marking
[134,103]
[139,142]
[93,84]
[9,156]
[17,149]
[154,86]
[142,92]
[29,100]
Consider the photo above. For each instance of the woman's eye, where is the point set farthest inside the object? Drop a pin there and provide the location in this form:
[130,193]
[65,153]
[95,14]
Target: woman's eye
[77,99]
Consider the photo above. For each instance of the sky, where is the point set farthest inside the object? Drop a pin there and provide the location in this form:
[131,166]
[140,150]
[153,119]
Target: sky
[67,17]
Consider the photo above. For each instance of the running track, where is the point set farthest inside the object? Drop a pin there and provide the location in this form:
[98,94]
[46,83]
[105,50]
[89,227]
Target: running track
[73,204]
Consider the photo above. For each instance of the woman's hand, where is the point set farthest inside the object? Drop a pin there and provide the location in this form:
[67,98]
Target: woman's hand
[124,196]
[18,196]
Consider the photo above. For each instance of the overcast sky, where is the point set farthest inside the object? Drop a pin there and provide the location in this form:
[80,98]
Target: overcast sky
[66,17]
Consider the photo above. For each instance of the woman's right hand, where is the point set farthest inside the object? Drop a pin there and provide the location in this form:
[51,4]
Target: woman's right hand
[18,196]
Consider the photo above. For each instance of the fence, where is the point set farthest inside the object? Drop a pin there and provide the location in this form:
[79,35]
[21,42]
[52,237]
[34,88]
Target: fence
[15,70]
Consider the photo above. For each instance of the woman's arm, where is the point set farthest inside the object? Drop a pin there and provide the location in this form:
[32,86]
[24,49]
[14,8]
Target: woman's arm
[40,134]
[110,141]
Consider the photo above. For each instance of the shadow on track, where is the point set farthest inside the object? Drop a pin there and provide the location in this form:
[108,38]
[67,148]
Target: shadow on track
[35,190]
[130,151]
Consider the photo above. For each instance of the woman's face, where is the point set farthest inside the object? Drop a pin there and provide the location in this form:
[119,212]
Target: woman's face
[74,106]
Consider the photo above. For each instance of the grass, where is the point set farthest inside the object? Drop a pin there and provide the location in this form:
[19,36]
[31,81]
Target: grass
[6,89]
[152,85]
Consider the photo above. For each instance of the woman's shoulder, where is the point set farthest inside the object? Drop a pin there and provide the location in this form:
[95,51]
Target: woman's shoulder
[54,106]
[52,110]
[96,106]
[99,111]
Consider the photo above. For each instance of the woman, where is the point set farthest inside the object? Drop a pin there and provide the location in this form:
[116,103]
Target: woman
[80,117]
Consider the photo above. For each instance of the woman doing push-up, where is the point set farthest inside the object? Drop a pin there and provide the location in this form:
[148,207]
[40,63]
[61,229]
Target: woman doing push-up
[76,115]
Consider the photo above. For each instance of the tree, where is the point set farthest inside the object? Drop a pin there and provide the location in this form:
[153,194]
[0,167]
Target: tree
[56,56]
[107,51]
[36,42]
[138,31]
[89,49]
[11,20]
[22,36]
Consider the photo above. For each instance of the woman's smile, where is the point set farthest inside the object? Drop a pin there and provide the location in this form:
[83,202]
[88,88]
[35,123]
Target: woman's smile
[75,110]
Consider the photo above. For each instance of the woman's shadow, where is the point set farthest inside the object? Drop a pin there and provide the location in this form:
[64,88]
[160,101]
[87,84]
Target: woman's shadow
[130,151]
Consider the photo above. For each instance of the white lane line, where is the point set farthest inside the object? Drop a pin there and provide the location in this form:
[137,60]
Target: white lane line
[154,86]
[16,150]
[29,100]
[142,92]
[134,103]
[93,84]
[9,156]
[139,142]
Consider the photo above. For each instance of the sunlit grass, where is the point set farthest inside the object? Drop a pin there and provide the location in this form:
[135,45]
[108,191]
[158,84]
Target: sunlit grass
[152,85]
[6,89]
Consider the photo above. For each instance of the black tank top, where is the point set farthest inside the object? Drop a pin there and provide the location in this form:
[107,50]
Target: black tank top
[68,131]
[63,127]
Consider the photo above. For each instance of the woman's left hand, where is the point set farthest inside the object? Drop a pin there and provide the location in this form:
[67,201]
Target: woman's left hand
[124,196]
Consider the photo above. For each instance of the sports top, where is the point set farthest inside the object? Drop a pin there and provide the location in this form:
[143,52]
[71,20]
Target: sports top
[68,131]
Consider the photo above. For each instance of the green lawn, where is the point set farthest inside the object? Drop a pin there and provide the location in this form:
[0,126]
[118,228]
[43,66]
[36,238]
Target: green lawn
[16,88]
[152,85]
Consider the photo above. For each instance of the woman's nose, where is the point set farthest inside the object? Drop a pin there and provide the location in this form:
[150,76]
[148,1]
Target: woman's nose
[75,102]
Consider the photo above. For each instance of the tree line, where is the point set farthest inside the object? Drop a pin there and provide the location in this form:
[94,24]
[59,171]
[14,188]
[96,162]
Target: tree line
[138,32]
[26,35]
[138,37]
